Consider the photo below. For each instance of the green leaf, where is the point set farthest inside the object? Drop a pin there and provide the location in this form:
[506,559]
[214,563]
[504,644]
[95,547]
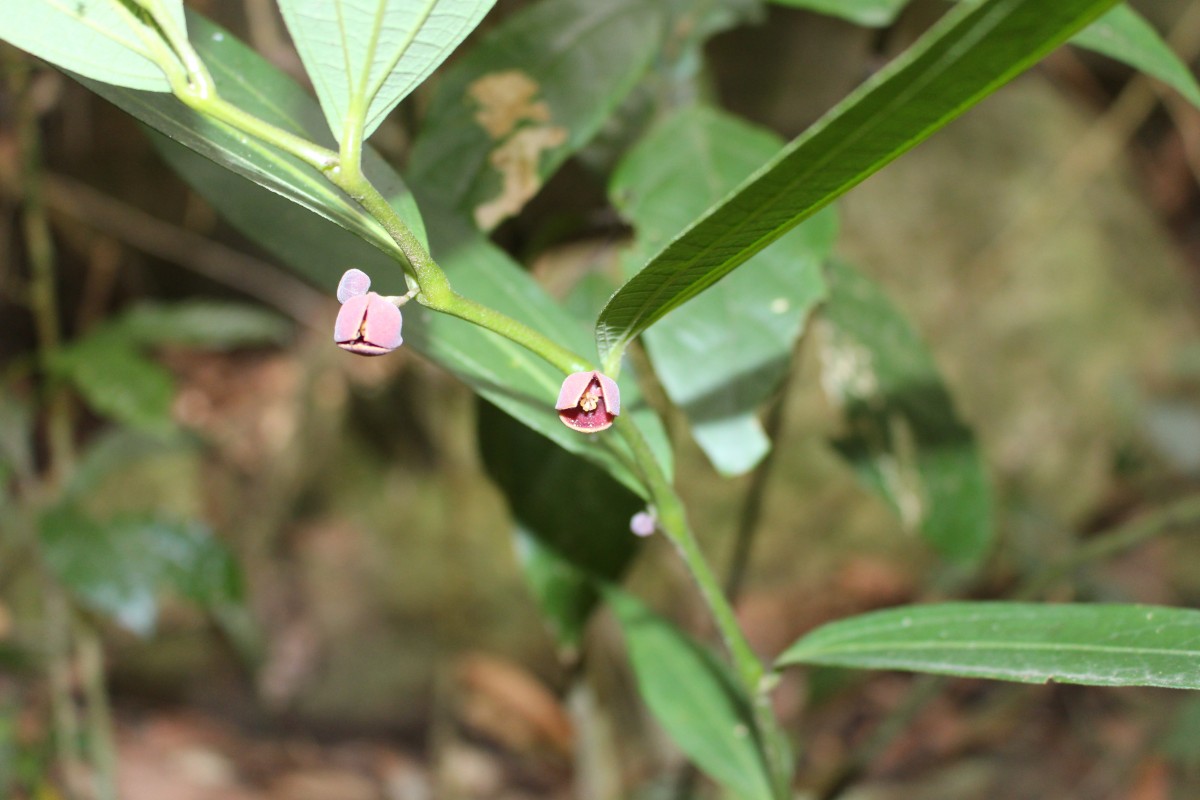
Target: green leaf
[248,81]
[1098,645]
[119,567]
[118,381]
[533,91]
[1124,35]
[572,519]
[905,439]
[115,449]
[1121,34]
[365,56]
[962,59]
[722,356]
[204,323]
[504,373]
[695,699]
[95,38]
[871,13]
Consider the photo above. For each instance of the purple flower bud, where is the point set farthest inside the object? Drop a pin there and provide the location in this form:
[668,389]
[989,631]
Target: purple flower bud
[588,402]
[368,324]
[353,284]
[643,523]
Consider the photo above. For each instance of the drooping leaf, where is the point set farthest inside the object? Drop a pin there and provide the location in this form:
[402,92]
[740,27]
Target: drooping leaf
[572,519]
[1099,645]
[119,567]
[365,56]
[962,59]
[533,91]
[118,381]
[1124,35]
[905,440]
[248,81]
[722,356]
[694,698]
[205,323]
[872,13]
[504,373]
[95,38]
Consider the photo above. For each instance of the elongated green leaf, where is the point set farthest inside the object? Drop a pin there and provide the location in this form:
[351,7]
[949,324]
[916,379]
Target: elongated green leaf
[966,56]
[365,56]
[1124,35]
[95,38]
[504,373]
[905,439]
[873,13]
[119,567]
[203,323]
[720,357]
[572,519]
[694,698]
[1099,645]
[118,381]
[528,95]
[249,82]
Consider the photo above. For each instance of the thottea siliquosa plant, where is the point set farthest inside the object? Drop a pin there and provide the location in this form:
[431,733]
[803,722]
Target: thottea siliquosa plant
[502,119]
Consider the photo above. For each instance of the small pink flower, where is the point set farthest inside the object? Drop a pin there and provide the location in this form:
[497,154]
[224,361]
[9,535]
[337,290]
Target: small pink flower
[643,523]
[368,324]
[588,402]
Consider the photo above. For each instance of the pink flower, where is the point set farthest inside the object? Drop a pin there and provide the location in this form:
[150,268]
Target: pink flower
[643,523]
[368,324]
[588,402]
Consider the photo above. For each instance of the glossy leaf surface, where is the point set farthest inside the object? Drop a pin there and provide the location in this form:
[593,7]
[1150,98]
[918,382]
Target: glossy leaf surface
[572,519]
[119,567]
[95,38]
[531,92]
[694,698]
[720,357]
[962,59]
[365,56]
[1100,645]
[250,82]
[905,440]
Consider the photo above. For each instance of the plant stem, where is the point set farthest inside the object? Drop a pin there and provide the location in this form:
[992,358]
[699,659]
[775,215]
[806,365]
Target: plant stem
[100,731]
[673,523]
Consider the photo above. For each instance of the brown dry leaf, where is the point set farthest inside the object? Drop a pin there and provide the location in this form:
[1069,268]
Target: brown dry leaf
[503,701]
[508,112]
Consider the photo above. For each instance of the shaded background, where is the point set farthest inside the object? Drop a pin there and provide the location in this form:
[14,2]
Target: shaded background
[1046,245]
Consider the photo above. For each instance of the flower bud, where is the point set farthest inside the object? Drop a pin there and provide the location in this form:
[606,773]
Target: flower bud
[643,523]
[368,324]
[588,402]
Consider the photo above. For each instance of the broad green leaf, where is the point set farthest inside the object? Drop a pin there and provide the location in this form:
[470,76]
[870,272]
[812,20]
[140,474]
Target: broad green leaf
[532,92]
[694,698]
[95,38]
[504,373]
[365,56]
[572,519]
[1098,645]
[251,83]
[119,567]
[966,56]
[203,323]
[1124,35]
[905,439]
[723,355]
[872,13]
[117,381]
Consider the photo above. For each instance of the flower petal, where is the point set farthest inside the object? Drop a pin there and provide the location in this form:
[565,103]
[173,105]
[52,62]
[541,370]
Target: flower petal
[350,319]
[354,283]
[573,388]
[383,323]
[611,393]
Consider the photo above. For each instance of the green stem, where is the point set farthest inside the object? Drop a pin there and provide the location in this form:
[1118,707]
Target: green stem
[436,292]
[672,521]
